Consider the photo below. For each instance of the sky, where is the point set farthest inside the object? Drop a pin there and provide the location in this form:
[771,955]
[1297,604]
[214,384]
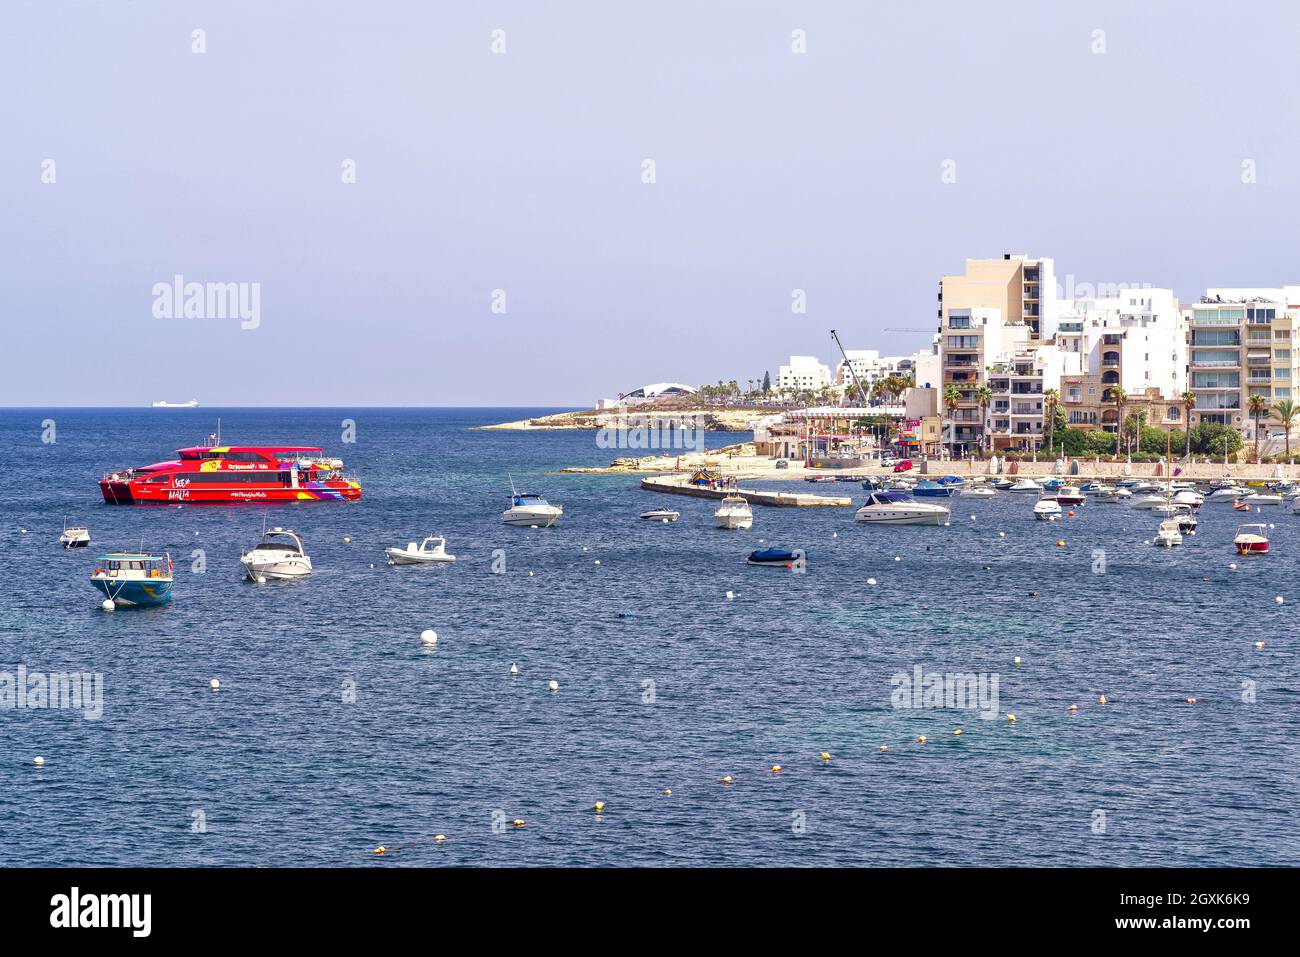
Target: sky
[906,138]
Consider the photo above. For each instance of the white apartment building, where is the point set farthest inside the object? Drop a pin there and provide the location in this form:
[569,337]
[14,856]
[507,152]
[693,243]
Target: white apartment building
[869,366]
[803,372]
[1136,341]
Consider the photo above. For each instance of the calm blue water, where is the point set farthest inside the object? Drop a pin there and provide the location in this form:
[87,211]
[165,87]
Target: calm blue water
[285,772]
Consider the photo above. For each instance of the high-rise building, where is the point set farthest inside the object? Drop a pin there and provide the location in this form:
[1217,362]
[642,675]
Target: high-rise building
[1243,343]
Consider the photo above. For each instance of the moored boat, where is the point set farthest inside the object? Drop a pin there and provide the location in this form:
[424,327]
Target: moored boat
[74,536]
[892,507]
[1251,539]
[1069,495]
[1026,485]
[431,551]
[734,513]
[1168,534]
[528,510]
[280,554]
[1047,509]
[775,557]
[133,578]
[928,489]
[664,514]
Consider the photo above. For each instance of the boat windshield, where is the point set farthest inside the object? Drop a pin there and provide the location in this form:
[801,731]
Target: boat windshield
[887,498]
[526,498]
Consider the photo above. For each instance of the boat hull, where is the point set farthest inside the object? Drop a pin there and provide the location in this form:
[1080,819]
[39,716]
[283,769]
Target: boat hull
[400,556]
[280,568]
[733,523]
[1251,547]
[873,515]
[527,519]
[144,493]
[156,592]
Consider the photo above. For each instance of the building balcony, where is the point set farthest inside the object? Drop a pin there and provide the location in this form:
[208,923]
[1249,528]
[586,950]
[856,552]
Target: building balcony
[1216,363]
[1215,321]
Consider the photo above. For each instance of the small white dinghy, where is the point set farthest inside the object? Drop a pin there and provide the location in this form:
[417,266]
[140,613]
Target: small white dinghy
[431,551]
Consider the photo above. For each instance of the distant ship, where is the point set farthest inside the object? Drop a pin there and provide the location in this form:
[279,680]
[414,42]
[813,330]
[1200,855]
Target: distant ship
[192,404]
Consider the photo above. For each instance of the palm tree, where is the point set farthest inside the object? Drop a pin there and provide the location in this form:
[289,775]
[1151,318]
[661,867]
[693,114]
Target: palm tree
[951,398]
[1050,398]
[984,396]
[1120,398]
[1257,405]
[1285,412]
[1189,403]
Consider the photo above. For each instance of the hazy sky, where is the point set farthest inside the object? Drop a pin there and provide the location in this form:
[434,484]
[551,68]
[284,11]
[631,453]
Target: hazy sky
[522,171]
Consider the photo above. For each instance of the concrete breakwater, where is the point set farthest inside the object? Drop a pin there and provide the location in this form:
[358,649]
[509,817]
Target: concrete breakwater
[680,485]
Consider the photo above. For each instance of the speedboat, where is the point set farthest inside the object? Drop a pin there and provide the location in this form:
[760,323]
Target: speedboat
[661,515]
[1251,539]
[1263,498]
[433,550]
[977,491]
[1026,485]
[531,511]
[1047,509]
[1226,493]
[278,555]
[774,557]
[897,508]
[1189,496]
[928,489]
[1140,488]
[1146,501]
[1168,534]
[1003,484]
[952,480]
[1069,495]
[1165,507]
[734,513]
[74,536]
[133,578]
[1185,516]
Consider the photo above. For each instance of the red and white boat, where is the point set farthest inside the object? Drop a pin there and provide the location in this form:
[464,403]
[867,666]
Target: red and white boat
[220,474]
[1251,539]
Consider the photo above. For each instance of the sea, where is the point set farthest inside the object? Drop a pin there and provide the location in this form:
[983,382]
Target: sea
[335,731]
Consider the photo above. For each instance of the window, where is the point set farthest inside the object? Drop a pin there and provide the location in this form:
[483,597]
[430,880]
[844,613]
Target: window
[1281,335]
[1282,355]
[1281,393]
[1282,374]
[1172,413]
[1092,390]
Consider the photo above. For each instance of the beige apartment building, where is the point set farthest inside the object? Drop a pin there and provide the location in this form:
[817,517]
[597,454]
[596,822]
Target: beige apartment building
[987,315]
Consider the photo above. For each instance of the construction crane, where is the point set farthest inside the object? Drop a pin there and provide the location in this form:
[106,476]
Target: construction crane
[858,385]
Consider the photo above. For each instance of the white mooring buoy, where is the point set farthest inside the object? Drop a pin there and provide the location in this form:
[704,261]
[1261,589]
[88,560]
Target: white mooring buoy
[214,684]
[428,637]
[553,685]
[108,604]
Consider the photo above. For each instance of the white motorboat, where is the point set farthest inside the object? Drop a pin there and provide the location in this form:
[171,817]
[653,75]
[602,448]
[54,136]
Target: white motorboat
[1263,498]
[1140,488]
[978,491]
[734,513]
[530,511]
[278,555]
[1226,493]
[1168,534]
[892,507]
[1189,496]
[1003,484]
[1185,516]
[1026,485]
[1165,508]
[661,515]
[1104,493]
[1047,509]
[1146,501]
[74,536]
[431,551]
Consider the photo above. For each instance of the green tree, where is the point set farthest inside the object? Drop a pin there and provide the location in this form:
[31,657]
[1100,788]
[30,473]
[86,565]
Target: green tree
[1189,403]
[951,398]
[1050,399]
[1120,398]
[1257,405]
[1285,412]
[767,382]
[984,396]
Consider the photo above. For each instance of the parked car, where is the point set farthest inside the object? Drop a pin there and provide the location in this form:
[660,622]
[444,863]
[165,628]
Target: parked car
[903,466]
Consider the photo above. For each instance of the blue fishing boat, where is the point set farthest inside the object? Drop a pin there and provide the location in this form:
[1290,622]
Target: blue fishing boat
[956,480]
[928,489]
[133,578]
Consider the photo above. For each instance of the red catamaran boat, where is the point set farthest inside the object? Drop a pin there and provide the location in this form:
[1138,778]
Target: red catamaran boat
[218,474]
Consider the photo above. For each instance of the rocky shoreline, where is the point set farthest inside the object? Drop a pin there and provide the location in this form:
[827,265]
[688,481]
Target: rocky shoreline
[711,420]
